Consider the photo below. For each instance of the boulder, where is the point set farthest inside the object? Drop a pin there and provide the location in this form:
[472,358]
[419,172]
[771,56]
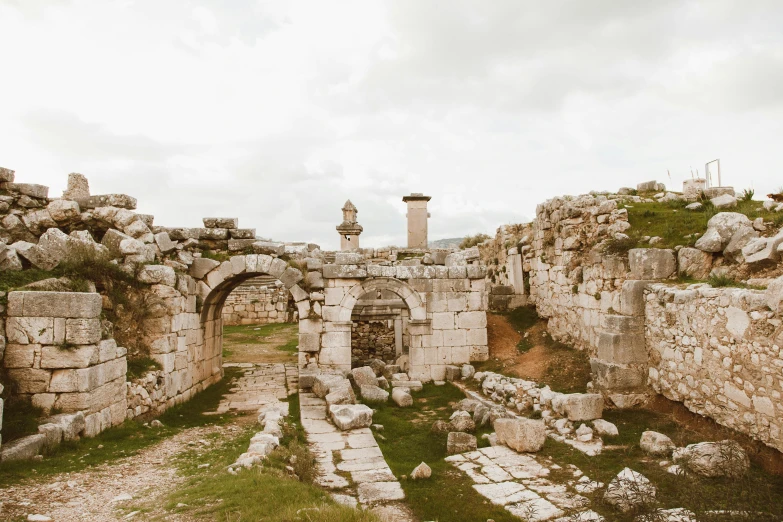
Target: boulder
[401,397]
[468,371]
[741,237]
[364,375]
[724,201]
[629,491]
[372,393]
[351,416]
[460,442]
[694,263]
[763,249]
[713,459]
[422,471]
[461,421]
[584,433]
[521,434]
[377,366]
[656,444]
[158,274]
[605,428]
[583,406]
[440,427]
[720,228]
[694,206]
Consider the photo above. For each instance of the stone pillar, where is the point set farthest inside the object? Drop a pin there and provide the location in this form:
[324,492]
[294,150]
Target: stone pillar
[417,220]
[398,336]
[349,229]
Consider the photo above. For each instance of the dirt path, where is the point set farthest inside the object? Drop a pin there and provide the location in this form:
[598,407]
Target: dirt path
[91,494]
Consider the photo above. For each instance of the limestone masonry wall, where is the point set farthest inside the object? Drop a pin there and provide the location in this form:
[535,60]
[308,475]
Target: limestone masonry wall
[260,300]
[717,350]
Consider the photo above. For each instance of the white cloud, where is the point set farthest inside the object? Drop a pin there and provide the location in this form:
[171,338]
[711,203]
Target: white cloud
[278,112]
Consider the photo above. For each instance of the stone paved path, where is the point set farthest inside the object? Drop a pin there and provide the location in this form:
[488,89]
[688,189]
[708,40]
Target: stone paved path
[519,483]
[354,455]
[261,385]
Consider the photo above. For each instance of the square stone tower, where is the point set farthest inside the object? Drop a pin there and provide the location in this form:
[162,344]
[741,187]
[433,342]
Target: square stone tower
[417,219]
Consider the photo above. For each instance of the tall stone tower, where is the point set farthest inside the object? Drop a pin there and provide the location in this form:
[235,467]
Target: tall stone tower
[417,219]
[349,229]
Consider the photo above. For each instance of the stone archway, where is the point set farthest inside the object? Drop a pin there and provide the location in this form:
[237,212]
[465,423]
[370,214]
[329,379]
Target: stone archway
[336,341]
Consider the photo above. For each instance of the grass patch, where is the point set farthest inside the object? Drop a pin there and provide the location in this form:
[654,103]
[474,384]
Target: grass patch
[676,225]
[10,280]
[124,440]
[568,370]
[234,336]
[140,366]
[268,492]
[448,494]
[758,491]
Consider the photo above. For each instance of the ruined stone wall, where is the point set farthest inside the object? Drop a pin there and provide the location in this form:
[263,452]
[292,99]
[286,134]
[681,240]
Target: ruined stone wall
[372,340]
[56,357]
[258,301]
[717,350]
[570,282]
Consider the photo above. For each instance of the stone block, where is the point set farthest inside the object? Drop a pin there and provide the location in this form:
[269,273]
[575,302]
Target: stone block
[476,319]
[460,442]
[372,393]
[78,357]
[351,416]
[22,449]
[30,330]
[632,297]
[27,189]
[6,175]
[348,258]
[453,373]
[269,248]
[524,435]
[164,242]
[617,377]
[401,397]
[622,348]
[212,222]
[364,376]
[290,277]
[583,406]
[247,234]
[20,355]
[334,271]
[158,274]
[202,266]
[652,263]
[29,380]
[53,434]
[656,444]
[55,304]
[692,262]
[83,331]
[72,424]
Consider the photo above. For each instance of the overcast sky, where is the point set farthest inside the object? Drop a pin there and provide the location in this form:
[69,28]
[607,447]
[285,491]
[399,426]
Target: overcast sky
[277,112]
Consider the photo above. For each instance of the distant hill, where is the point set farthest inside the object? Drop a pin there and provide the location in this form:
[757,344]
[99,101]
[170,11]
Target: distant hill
[446,243]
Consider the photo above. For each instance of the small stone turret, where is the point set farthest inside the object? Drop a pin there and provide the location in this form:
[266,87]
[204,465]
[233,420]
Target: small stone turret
[349,229]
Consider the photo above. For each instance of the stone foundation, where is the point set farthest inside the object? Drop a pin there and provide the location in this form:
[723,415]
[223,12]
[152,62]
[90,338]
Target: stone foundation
[261,300]
[372,340]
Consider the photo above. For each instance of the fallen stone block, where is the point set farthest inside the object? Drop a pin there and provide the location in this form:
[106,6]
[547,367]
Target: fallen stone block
[340,394]
[461,421]
[656,444]
[351,416]
[521,434]
[713,459]
[583,406]
[323,383]
[460,442]
[453,373]
[605,428]
[652,263]
[401,397]
[372,393]
[411,385]
[364,375]
[22,449]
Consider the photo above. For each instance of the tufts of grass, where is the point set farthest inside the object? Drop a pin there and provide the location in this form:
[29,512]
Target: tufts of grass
[140,366]
[471,241]
[255,334]
[266,492]
[11,280]
[618,247]
[124,440]
[215,255]
[448,494]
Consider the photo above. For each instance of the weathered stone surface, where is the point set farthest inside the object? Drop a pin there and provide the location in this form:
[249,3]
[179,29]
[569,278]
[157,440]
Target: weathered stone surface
[694,263]
[740,238]
[364,375]
[525,435]
[656,444]
[402,398]
[202,266]
[322,384]
[344,272]
[583,406]
[213,222]
[629,490]
[763,249]
[713,459]
[724,201]
[269,248]
[605,428]
[54,304]
[22,449]
[372,393]
[652,263]
[158,274]
[351,416]
[467,371]
[64,211]
[422,471]
[340,394]
[720,228]
[460,442]
[774,295]
[164,242]
[453,373]
[461,421]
